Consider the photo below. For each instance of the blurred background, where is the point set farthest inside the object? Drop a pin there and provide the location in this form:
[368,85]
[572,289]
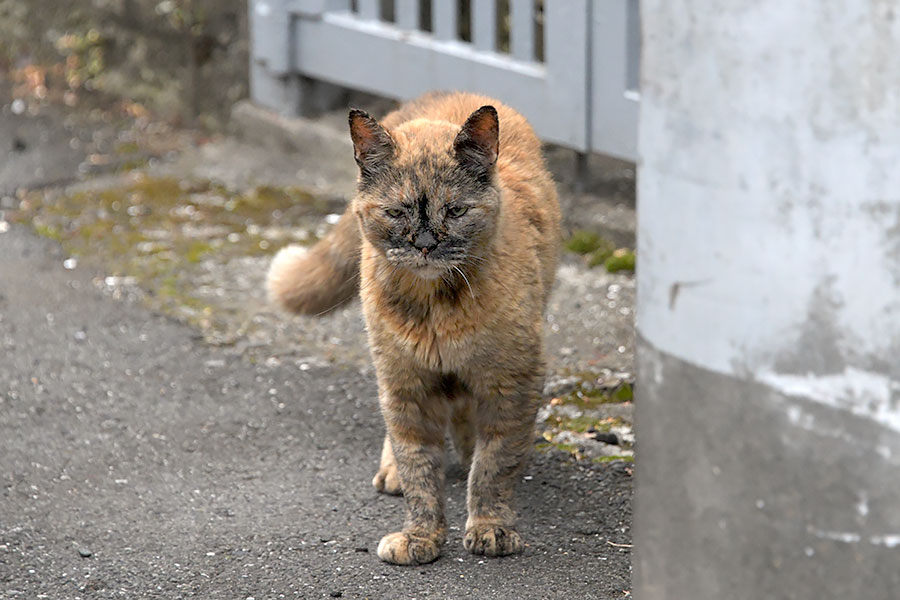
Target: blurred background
[186,61]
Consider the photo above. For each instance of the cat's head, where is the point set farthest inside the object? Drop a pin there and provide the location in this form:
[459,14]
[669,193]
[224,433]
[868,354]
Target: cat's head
[428,197]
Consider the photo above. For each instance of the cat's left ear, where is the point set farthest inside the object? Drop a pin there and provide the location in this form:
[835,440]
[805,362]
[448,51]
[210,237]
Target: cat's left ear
[478,142]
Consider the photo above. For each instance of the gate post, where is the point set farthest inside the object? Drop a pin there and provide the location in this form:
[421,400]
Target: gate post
[768,407]
[271,35]
[274,82]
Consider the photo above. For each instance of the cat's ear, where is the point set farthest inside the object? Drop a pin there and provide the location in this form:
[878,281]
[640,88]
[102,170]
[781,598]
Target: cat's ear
[372,145]
[478,142]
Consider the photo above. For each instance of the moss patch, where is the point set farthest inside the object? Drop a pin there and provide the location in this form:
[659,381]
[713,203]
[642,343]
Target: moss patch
[157,230]
[581,424]
[587,242]
[47,231]
[598,250]
[586,397]
[599,256]
[550,446]
[620,260]
[606,459]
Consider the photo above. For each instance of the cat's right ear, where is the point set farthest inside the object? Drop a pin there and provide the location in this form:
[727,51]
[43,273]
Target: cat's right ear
[372,144]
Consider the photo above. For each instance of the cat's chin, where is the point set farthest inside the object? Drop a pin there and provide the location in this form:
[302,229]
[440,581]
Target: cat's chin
[428,272]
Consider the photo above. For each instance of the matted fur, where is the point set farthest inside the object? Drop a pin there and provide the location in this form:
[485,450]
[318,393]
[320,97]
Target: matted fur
[454,234]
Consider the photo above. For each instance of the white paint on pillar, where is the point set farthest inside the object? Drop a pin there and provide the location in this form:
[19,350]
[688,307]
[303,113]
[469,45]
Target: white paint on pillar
[769,194]
[862,393]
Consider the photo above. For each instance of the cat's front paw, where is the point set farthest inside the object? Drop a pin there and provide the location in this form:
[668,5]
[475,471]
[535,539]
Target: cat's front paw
[387,481]
[493,540]
[405,549]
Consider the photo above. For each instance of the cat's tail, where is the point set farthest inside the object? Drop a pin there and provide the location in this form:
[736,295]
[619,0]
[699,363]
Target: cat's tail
[324,277]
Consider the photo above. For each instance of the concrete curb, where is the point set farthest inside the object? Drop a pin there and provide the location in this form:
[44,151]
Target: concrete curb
[296,134]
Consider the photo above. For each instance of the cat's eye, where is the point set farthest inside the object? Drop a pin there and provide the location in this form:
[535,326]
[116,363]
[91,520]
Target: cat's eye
[457,211]
[394,213]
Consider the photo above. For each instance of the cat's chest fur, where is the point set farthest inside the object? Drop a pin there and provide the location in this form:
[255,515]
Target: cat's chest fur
[438,330]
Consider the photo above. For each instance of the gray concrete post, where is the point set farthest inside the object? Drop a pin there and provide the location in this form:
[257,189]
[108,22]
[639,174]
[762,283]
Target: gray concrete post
[768,407]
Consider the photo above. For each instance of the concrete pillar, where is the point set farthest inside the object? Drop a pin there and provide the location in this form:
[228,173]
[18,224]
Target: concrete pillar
[768,407]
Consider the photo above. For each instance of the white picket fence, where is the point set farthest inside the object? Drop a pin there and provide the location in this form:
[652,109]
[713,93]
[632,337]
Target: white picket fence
[570,66]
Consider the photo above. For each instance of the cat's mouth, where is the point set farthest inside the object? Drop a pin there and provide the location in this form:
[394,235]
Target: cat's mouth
[428,268]
[424,266]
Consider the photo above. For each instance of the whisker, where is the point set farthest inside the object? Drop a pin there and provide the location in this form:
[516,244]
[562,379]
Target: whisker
[481,259]
[331,308]
[466,279]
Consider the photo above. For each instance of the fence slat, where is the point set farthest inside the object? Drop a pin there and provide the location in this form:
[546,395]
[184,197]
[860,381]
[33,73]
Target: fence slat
[406,13]
[614,108]
[521,29]
[369,9]
[566,63]
[484,24]
[444,19]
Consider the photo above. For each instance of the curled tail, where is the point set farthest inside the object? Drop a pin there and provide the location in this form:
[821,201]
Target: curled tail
[324,277]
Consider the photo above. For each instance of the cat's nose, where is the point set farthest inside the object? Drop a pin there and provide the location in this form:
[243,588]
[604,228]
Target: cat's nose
[425,242]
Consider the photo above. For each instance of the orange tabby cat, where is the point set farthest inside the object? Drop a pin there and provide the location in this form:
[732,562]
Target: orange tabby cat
[452,243]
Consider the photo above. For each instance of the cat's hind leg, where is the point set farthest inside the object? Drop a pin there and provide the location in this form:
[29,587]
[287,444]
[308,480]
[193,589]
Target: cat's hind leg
[387,480]
[462,429]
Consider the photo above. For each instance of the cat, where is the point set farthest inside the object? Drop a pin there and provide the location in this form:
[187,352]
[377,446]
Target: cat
[451,242]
